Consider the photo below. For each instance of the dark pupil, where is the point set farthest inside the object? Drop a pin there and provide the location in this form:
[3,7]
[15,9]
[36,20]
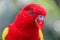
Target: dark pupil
[30,12]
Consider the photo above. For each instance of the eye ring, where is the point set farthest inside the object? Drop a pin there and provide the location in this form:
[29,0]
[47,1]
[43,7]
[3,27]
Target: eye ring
[31,12]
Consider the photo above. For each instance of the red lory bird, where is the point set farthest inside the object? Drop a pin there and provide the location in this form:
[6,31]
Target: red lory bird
[27,25]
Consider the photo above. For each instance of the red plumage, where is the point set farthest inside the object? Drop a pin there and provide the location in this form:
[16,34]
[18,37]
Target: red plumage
[24,26]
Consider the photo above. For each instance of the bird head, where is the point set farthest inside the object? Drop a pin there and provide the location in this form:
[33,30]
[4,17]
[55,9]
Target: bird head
[37,13]
[32,14]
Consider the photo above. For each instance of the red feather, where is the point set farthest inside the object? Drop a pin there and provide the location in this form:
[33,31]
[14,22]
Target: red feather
[24,26]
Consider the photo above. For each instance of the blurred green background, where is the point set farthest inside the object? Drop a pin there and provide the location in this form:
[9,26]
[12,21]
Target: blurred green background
[10,8]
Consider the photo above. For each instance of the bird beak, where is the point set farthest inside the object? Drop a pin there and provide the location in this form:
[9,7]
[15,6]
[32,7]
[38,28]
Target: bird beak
[39,21]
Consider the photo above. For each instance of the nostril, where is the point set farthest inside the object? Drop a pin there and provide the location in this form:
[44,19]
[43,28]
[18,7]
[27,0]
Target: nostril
[30,12]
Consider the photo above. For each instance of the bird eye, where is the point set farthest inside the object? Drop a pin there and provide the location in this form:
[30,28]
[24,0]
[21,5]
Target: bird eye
[31,12]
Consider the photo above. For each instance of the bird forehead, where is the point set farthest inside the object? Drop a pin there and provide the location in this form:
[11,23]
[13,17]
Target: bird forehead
[35,7]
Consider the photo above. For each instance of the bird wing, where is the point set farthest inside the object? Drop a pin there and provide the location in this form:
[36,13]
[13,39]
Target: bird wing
[4,33]
[41,35]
